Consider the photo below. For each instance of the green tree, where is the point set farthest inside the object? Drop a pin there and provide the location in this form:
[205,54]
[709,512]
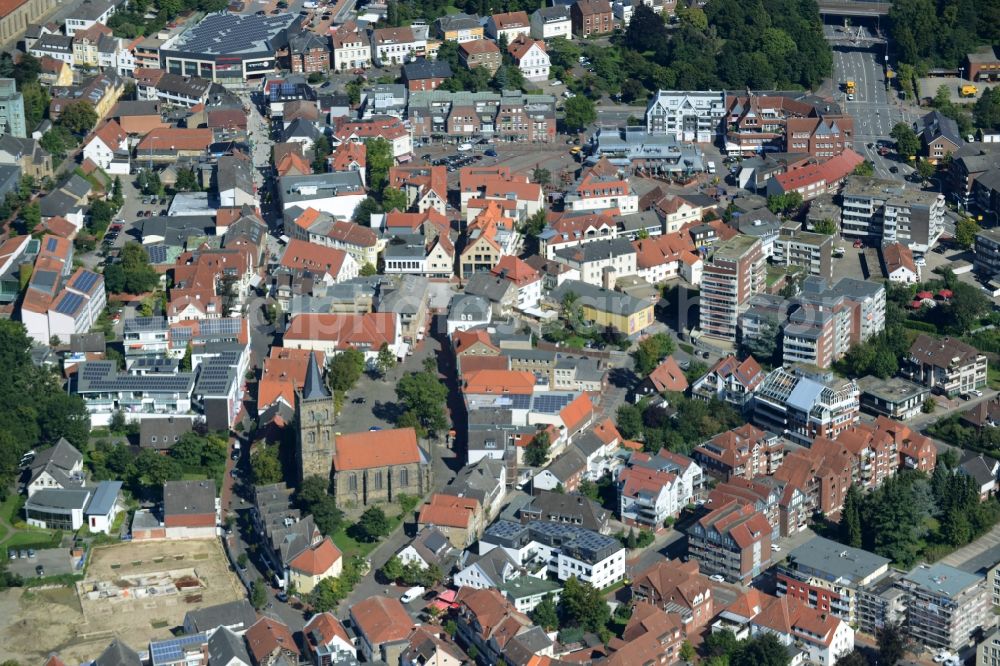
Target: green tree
[313,499]
[541,176]
[321,151]
[536,453]
[629,420]
[651,352]
[926,169]
[379,159]
[258,594]
[850,518]
[853,658]
[373,524]
[185,365]
[58,142]
[32,217]
[149,182]
[78,117]
[866,168]
[36,103]
[893,643]
[687,652]
[582,605]
[243,560]
[392,571]
[363,213]
[545,614]
[580,113]
[386,359]
[393,199]
[965,232]
[423,396]
[117,424]
[344,369]
[117,196]
[825,226]
[907,142]
[928,406]
[764,649]
[368,270]
[187,181]
[265,464]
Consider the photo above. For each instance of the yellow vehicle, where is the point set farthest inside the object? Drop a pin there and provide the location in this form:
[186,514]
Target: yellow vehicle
[969,91]
[849,86]
[575,150]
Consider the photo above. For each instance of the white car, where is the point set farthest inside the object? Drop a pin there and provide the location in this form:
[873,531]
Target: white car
[557,82]
[941,657]
[775,547]
[464,147]
[411,594]
[717,578]
[920,261]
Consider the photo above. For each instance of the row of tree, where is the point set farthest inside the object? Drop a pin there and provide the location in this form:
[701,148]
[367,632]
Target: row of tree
[939,33]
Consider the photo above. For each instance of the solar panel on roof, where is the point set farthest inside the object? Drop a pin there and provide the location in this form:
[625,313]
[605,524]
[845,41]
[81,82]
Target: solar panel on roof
[69,303]
[85,281]
[157,254]
[173,649]
[51,244]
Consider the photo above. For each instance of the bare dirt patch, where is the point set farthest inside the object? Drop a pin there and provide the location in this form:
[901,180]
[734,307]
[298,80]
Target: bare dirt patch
[162,581]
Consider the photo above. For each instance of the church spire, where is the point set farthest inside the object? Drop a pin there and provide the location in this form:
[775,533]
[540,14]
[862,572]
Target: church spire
[314,387]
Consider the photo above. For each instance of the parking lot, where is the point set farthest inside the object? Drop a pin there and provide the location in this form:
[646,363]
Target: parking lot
[54,562]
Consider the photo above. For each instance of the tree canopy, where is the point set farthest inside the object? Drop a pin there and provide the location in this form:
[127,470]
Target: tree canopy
[423,396]
[132,273]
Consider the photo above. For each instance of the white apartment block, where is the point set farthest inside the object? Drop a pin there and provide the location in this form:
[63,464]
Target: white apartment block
[693,116]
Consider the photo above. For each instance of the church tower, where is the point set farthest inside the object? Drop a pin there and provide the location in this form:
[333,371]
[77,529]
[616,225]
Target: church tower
[315,417]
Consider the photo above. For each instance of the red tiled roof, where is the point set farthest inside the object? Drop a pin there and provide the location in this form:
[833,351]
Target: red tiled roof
[316,560]
[369,330]
[382,619]
[376,448]
[668,376]
[575,413]
[175,138]
[267,636]
[312,257]
[500,382]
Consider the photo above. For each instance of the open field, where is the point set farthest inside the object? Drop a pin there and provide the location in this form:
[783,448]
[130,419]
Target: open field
[43,621]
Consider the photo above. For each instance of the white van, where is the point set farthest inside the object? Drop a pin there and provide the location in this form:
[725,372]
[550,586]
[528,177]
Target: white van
[411,594]
[711,167]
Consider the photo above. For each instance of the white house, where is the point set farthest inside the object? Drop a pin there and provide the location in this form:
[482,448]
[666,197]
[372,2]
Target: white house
[530,57]
[101,146]
[394,46]
[551,23]
[510,25]
[899,264]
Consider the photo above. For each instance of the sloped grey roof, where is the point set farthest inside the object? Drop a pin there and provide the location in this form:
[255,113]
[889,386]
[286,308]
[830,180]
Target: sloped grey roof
[224,646]
[118,654]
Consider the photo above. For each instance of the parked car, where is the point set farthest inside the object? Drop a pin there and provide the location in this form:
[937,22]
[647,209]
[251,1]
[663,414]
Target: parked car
[412,593]
[977,393]
[490,152]
[12,554]
[463,147]
[718,578]
[31,553]
[40,570]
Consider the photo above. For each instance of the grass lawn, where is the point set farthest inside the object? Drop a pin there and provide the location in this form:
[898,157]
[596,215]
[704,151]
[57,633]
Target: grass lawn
[993,377]
[686,347]
[350,546]
[774,273]
[34,538]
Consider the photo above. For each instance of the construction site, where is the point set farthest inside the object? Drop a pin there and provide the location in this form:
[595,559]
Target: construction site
[131,590]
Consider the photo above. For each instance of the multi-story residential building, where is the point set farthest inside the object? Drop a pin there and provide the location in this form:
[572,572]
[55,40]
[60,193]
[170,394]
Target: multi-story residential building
[389,128]
[306,53]
[746,452]
[734,272]
[526,278]
[794,124]
[686,115]
[508,116]
[939,135]
[827,576]
[459,28]
[336,194]
[551,22]
[647,497]
[733,540]
[945,606]
[12,110]
[987,259]
[601,263]
[815,178]
[820,137]
[394,46]
[105,390]
[676,587]
[88,13]
[174,89]
[603,186]
[988,651]
[489,622]
[565,550]
[730,380]
[480,53]
[360,242]
[804,407]
[946,365]
[510,25]
[888,211]
[591,17]
[351,48]
[802,249]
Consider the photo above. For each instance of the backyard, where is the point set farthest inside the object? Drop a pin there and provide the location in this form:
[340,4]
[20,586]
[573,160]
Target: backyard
[14,533]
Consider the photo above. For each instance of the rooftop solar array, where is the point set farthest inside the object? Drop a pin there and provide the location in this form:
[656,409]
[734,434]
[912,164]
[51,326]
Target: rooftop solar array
[103,377]
[551,403]
[51,244]
[85,281]
[173,650]
[137,324]
[515,401]
[217,374]
[224,33]
[157,254]
[69,303]
[227,326]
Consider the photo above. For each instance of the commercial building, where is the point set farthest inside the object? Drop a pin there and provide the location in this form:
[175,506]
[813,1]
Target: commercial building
[945,606]
[687,115]
[231,49]
[734,272]
[826,575]
[946,365]
[887,211]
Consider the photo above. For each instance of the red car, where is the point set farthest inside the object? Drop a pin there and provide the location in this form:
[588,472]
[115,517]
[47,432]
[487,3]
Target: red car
[858,244]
